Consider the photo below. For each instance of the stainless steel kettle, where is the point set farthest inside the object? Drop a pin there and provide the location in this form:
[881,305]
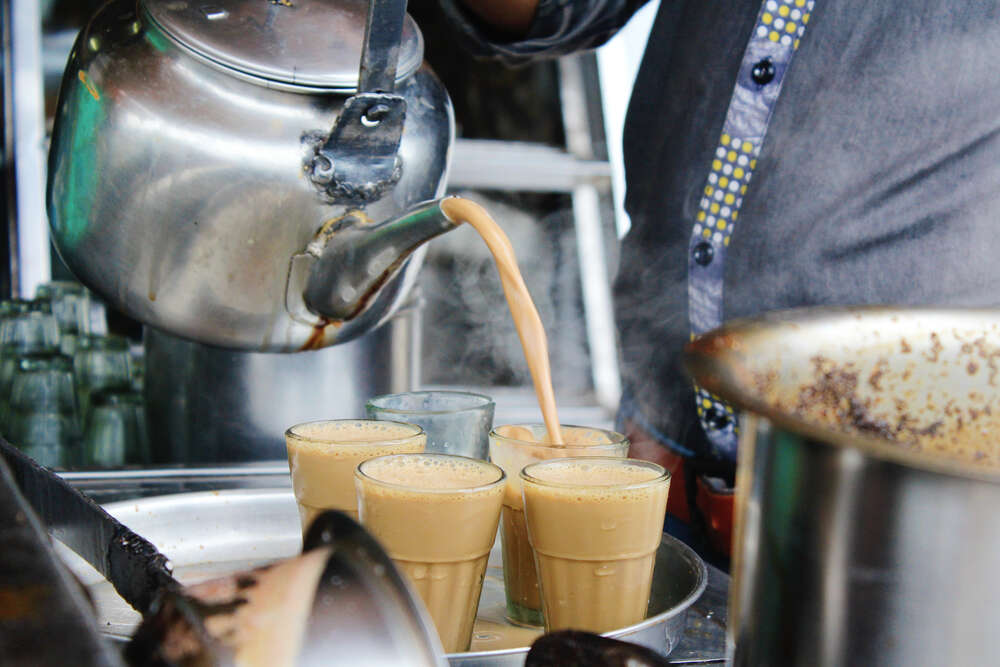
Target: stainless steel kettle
[195,183]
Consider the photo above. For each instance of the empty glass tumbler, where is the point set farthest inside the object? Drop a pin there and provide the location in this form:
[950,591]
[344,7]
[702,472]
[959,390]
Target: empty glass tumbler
[455,422]
[32,331]
[42,418]
[23,332]
[70,305]
[100,362]
[115,432]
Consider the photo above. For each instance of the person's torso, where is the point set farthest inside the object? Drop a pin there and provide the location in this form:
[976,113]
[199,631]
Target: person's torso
[875,182]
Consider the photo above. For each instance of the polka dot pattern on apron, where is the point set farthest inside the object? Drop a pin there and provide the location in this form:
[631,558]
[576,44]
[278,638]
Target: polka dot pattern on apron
[777,33]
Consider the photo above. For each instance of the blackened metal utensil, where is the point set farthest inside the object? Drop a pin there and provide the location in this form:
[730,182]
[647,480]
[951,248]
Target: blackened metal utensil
[133,566]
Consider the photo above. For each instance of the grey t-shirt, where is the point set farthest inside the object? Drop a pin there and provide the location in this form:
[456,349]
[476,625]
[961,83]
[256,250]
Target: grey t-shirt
[878,180]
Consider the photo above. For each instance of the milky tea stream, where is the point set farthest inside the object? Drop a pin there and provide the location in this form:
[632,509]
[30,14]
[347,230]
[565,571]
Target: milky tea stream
[520,577]
[522,308]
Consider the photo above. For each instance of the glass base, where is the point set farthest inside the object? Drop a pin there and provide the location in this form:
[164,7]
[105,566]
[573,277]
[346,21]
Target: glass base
[524,616]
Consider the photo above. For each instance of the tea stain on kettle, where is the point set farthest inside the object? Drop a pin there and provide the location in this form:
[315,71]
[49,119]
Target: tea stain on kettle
[88,85]
[318,338]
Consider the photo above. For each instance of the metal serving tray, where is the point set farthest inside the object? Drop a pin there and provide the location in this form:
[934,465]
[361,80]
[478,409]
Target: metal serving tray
[208,534]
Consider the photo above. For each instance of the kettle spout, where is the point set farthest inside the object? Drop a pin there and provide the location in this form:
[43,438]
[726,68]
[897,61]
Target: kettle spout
[355,257]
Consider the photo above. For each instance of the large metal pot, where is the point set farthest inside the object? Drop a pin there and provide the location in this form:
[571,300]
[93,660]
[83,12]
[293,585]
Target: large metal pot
[868,484]
[196,184]
[211,405]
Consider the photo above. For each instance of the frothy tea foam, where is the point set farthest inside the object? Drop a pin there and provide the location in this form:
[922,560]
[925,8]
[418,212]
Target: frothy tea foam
[325,433]
[430,472]
[595,473]
[593,481]
[573,436]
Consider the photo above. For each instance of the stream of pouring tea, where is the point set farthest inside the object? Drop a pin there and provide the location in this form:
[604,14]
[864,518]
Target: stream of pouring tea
[522,308]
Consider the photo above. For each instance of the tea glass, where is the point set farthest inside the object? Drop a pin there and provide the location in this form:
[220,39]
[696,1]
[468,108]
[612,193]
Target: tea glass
[512,447]
[595,524]
[436,515]
[322,456]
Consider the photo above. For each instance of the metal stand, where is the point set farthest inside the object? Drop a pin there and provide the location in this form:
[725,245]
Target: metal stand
[25,146]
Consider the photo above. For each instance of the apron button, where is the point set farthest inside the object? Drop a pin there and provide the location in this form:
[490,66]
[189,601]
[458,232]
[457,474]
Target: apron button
[763,72]
[703,253]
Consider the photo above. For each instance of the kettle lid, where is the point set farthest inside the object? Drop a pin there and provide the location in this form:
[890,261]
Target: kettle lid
[295,44]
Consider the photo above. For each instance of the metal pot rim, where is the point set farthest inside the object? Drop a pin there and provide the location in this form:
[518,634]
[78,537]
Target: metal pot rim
[712,360]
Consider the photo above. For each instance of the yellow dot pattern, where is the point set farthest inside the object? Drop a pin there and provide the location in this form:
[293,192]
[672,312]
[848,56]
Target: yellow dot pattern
[778,31]
[723,195]
[715,411]
[735,156]
[784,21]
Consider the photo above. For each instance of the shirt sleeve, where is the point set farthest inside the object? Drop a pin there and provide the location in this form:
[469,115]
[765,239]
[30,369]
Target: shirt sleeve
[559,27]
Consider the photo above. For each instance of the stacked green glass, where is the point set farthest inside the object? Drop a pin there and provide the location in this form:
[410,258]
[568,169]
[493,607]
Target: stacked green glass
[13,307]
[138,365]
[68,396]
[33,332]
[116,429]
[70,304]
[41,416]
[99,363]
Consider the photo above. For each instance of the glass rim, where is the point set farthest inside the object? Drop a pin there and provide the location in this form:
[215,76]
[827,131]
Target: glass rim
[618,439]
[361,475]
[663,476]
[55,358]
[290,433]
[106,343]
[483,399]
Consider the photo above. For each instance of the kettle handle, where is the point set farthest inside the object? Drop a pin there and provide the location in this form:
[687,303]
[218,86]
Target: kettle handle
[359,162]
[380,50]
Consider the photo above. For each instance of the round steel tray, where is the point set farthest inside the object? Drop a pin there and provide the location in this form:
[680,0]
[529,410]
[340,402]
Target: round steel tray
[209,534]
